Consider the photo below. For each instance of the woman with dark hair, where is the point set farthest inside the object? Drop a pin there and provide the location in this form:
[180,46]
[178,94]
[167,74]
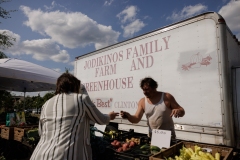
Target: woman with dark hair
[64,125]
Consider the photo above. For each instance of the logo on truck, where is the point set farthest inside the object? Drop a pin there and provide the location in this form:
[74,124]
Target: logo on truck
[196,61]
[103,102]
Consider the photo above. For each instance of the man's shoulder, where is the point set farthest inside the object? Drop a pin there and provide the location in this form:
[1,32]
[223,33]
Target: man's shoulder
[141,103]
[167,96]
[142,100]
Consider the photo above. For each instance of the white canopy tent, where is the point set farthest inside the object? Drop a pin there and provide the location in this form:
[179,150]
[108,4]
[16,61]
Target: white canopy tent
[23,76]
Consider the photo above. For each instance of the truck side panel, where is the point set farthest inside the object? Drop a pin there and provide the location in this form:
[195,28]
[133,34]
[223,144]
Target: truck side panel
[186,61]
[236,102]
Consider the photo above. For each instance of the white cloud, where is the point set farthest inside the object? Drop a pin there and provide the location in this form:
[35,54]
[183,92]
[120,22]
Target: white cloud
[42,49]
[57,69]
[63,56]
[231,14]
[72,63]
[187,12]
[54,5]
[72,29]
[128,14]
[71,71]
[132,28]
[108,3]
[130,24]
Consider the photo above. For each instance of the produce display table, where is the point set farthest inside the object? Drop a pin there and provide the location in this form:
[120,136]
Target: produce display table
[111,146]
[191,150]
[122,145]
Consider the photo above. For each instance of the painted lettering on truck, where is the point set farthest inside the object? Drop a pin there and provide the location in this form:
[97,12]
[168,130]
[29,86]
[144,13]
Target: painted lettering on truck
[109,103]
[104,66]
[112,84]
[102,102]
[139,57]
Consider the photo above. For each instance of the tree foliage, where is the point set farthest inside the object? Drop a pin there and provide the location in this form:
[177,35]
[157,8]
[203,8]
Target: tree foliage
[6,40]
[47,96]
[2,55]
[4,13]
[34,102]
[6,100]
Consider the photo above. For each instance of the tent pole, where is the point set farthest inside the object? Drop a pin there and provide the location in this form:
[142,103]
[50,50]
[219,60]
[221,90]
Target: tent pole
[24,98]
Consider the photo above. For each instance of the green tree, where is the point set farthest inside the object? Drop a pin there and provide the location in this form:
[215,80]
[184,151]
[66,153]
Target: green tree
[38,102]
[4,13]
[19,105]
[2,55]
[6,100]
[27,103]
[6,40]
[67,70]
[35,102]
[47,96]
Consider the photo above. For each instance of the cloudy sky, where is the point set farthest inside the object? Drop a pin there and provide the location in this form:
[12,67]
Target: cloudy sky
[53,33]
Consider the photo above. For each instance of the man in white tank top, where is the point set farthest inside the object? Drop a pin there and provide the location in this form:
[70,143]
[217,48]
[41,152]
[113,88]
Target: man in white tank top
[159,108]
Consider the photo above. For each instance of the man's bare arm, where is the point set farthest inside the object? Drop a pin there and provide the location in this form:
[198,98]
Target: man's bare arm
[177,110]
[138,115]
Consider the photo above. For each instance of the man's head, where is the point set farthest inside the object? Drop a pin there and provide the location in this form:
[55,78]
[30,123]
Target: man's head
[149,86]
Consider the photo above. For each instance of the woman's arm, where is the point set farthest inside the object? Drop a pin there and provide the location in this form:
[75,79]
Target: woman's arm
[94,114]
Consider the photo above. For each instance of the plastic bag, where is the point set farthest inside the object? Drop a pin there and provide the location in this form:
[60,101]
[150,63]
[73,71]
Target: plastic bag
[11,119]
[20,118]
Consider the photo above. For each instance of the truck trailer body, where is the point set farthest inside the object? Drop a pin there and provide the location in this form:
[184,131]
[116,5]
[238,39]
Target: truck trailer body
[196,60]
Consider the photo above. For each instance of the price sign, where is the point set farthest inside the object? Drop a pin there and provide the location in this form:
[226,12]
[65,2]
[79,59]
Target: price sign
[161,138]
[101,128]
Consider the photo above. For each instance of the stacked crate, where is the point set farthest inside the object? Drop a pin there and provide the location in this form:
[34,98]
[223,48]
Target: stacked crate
[20,132]
[7,132]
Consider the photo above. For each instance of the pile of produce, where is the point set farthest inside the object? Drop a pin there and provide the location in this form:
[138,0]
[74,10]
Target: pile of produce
[146,149]
[133,146]
[110,134]
[122,146]
[32,136]
[197,154]
[135,140]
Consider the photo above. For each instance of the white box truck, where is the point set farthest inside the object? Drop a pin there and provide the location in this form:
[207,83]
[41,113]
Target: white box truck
[196,60]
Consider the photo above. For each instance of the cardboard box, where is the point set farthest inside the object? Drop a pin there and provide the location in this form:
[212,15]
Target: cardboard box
[20,132]
[7,133]
[226,153]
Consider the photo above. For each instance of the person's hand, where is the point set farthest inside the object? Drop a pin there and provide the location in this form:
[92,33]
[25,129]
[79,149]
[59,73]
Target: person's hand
[124,114]
[176,113]
[113,115]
